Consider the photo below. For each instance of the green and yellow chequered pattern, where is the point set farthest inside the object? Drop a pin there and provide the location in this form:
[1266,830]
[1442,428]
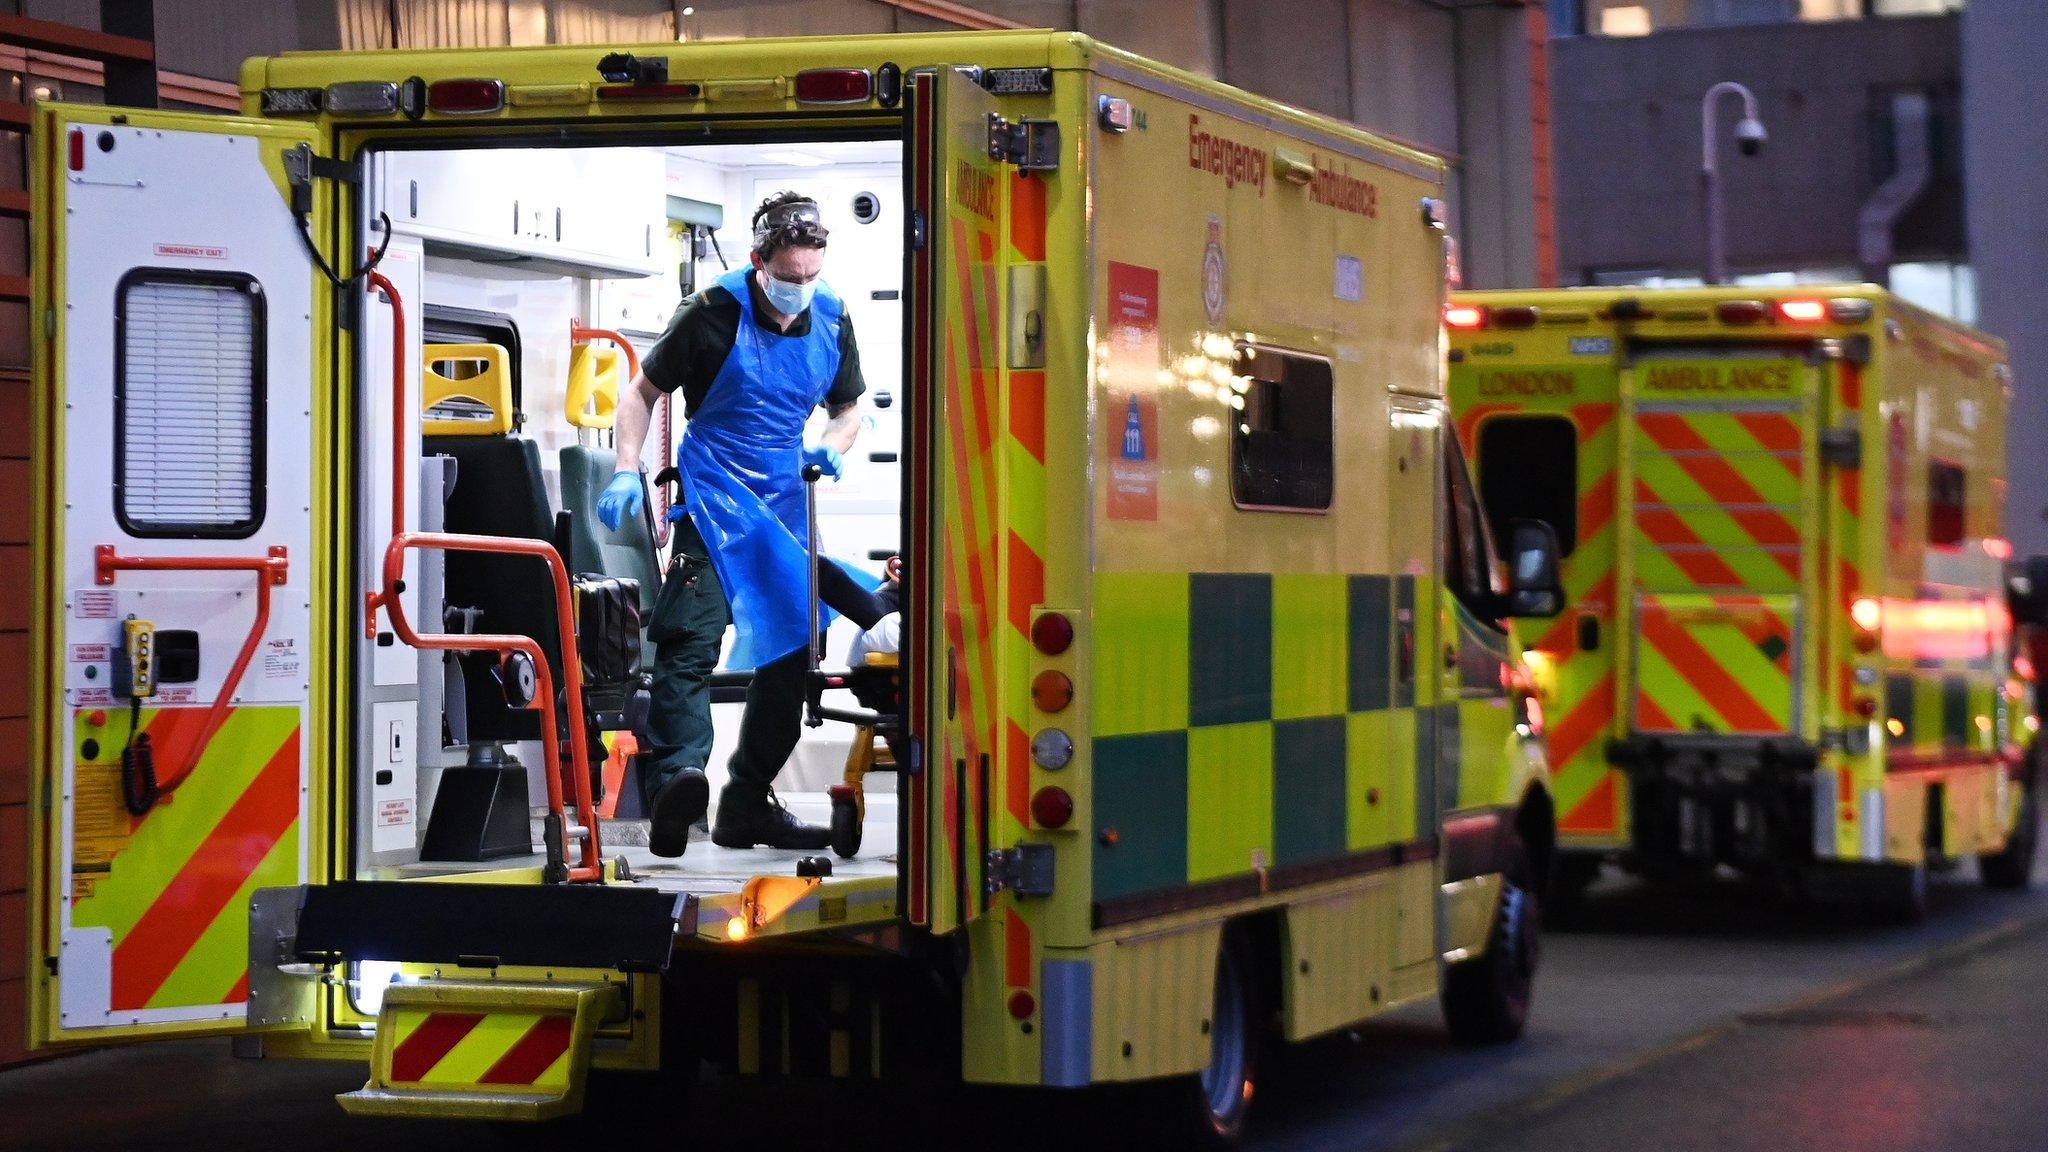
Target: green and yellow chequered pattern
[1249,721]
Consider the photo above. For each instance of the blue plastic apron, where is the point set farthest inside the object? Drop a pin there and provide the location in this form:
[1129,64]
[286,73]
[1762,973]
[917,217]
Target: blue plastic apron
[741,458]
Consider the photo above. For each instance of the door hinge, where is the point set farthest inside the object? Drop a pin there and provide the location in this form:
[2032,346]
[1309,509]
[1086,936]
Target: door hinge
[1032,145]
[917,231]
[50,963]
[302,167]
[1025,869]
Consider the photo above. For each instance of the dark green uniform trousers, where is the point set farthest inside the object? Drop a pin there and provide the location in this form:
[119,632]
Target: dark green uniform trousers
[690,618]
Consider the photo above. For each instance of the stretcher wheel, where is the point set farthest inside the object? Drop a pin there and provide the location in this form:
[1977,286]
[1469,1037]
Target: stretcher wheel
[845,821]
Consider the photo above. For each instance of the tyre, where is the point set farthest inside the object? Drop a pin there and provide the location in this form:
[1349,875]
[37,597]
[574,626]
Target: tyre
[1486,1000]
[1208,1110]
[2012,869]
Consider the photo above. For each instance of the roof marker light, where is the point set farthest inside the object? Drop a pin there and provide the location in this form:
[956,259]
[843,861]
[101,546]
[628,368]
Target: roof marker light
[1802,311]
[1517,316]
[1850,309]
[465,97]
[833,86]
[1464,316]
[1741,312]
[362,97]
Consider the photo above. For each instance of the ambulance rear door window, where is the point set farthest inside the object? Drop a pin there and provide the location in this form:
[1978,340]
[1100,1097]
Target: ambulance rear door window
[1529,470]
[1281,452]
[1947,490]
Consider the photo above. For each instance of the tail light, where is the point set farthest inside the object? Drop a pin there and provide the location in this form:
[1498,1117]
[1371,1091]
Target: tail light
[1464,316]
[77,150]
[1867,614]
[1052,633]
[1052,690]
[833,86]
[1051,807]
[1022,1005]
[465,97]
[1850,309]
[1866,707]
[1519,316]
[1802,311]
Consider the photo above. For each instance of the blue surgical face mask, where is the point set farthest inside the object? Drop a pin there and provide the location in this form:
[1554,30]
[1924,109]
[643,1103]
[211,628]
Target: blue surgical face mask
[788,299]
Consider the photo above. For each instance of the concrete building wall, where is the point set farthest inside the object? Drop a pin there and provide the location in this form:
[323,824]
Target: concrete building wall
[1628,139]
[2005,114]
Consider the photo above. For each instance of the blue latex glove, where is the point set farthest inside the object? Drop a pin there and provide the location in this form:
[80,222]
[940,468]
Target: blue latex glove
[621,499]
[825,457]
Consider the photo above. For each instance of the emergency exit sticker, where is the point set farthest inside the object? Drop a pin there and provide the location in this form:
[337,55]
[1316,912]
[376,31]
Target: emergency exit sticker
[1131,372]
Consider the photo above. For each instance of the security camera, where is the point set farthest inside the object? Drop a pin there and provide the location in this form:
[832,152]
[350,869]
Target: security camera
[1750,136]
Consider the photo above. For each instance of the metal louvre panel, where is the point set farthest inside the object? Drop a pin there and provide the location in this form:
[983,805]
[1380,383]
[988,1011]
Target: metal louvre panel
[189,359]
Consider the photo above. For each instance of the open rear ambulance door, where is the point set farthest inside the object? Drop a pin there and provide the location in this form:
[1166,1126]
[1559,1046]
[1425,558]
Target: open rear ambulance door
[176,438]
[1723,478]
[957,192]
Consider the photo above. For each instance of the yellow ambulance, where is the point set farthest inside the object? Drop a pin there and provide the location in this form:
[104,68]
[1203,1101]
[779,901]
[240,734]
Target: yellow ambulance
[1208,722]
[1789,644]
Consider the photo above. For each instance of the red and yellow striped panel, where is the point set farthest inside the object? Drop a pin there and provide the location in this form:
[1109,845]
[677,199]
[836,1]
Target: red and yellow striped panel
[1708,663]
[1717,499]
[1023,562]
[172,887]
[513,1051]
[1580,707]
[975,196]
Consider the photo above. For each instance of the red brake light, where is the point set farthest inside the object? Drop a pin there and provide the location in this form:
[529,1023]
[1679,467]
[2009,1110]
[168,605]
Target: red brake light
[1052,633]
[77,150]
[1519,316]
[833,86]
[1741,311]
[465,97]
[1022,1005]
[1802,311]
[1051,807]
[1464,316]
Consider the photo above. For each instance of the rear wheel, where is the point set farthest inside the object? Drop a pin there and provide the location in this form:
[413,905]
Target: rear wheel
[1209,1109]
[1486,1000]
[2012,869]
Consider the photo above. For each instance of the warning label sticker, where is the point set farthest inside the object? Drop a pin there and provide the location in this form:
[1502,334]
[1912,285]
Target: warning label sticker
[91,653]
[394,813]
[281,659]
[94,604]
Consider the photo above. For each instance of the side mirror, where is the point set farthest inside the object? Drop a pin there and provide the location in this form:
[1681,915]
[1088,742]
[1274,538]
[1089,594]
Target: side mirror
[2026,590]
[1534,588]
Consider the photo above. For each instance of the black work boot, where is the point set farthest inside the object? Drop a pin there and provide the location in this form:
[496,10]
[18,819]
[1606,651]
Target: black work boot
[680,803]
[749,814]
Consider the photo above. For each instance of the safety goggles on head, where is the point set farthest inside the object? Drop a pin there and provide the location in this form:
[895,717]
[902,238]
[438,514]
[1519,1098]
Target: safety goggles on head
[788,224]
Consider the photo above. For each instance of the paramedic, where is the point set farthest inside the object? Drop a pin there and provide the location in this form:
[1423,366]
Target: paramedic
[752,356]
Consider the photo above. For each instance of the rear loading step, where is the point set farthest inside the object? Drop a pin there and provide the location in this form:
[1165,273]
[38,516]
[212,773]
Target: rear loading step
[482,1051]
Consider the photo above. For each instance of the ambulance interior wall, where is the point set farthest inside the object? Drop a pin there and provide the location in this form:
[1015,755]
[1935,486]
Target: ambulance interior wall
[859,514]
